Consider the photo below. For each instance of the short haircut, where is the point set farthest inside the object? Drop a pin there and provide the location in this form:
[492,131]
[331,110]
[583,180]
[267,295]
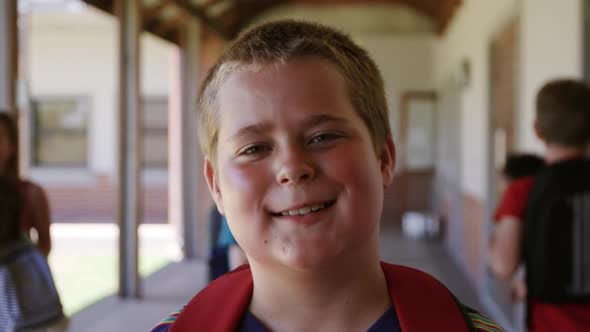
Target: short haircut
[10,210]
[278,42]
[563,113]
[519,165]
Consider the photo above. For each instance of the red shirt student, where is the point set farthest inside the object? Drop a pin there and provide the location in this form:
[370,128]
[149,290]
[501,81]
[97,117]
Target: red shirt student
[563,124]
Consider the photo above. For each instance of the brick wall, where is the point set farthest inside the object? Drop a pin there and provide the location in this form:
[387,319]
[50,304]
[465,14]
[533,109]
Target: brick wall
[97,202]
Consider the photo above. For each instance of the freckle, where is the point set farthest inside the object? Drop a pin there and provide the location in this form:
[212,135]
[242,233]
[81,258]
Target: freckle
[265,241]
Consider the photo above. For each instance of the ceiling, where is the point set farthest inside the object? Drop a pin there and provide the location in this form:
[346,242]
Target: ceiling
[226,18]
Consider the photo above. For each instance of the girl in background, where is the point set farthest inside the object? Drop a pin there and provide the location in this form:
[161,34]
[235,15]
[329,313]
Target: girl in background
[35,207]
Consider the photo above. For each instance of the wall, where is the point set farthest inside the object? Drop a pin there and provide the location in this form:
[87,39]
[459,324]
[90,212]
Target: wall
[552,46]
[75,53]
[467,39]
[405,63]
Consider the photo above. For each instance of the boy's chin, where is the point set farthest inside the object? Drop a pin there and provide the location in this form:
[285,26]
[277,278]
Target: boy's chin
[311,262]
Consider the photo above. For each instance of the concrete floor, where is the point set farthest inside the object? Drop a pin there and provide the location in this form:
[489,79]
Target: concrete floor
[171,287]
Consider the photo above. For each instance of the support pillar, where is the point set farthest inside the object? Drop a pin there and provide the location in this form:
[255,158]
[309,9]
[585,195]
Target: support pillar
[184,148]
[8,55]
[129,174]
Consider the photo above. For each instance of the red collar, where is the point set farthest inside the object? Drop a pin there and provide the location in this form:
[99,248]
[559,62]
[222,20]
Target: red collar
[421,302]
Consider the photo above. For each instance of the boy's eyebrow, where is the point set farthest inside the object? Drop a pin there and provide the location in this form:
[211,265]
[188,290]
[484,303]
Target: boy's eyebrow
[323,118]
[254,129]
[259,128]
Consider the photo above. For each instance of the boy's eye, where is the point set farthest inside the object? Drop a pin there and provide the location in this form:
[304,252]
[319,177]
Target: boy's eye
[322,138]
[253,149]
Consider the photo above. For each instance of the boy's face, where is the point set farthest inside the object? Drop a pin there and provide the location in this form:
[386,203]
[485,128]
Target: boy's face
[291,143]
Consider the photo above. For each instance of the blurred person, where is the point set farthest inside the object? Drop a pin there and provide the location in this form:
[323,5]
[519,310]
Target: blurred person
[517,175]
[29,301]
[550,233]
[225,254]
[35,214]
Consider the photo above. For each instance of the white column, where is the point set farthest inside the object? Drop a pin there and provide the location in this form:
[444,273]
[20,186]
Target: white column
[129,203]
[8,54]
[183,146]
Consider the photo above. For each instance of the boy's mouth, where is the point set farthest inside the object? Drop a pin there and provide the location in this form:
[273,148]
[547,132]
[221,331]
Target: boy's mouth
[304,210]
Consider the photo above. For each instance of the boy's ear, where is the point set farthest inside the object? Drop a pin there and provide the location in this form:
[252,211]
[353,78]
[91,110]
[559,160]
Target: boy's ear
[387,159]
[213,185]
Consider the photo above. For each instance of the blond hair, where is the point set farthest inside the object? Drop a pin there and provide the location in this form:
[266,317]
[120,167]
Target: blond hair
[277,43]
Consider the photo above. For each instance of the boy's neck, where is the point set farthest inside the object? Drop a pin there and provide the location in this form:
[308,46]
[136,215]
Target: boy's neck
[556,153]
[335,298]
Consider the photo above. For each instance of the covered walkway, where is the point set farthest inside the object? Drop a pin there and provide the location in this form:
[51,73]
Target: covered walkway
[172,286]
[460,78]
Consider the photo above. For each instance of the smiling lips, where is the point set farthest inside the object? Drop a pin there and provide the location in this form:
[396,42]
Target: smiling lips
[305,210]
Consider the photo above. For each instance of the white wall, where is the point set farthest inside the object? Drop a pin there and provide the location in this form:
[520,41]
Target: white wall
[468,38]
[406,63]
[552,46]
[76,53]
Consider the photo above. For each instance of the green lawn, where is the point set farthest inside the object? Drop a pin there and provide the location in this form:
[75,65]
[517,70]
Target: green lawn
[83,279]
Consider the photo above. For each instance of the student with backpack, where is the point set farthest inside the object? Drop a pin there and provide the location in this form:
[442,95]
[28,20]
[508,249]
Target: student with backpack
[517,176]
[551,232]
[29,301]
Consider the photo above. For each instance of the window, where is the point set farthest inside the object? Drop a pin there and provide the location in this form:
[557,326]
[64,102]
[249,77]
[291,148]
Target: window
[60,135]
[155,132]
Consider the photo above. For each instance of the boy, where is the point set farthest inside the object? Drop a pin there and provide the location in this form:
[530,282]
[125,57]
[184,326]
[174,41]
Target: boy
[517,176]
[550,240]
[295,130]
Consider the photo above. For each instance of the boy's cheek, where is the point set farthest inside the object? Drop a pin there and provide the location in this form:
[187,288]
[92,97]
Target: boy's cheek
[243,188]
[243,178]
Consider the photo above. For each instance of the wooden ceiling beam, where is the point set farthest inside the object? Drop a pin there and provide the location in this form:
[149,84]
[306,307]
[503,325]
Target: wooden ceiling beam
[148,13]
[201,14]
[243,11]
[171,23]
[209,3]
[446,12]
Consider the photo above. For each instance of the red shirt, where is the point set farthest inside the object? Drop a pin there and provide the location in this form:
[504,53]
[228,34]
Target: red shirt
[545,317]
[514,200]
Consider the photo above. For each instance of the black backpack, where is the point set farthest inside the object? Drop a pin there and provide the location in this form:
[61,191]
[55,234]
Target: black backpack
[557,234]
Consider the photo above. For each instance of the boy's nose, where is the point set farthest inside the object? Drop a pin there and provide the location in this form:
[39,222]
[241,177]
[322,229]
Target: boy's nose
[294,169]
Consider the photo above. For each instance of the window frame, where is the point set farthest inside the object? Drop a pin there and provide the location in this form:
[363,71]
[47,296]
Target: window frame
[158,131]
[86,102]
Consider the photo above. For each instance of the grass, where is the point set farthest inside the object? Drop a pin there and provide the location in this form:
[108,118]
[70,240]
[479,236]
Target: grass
[83,279]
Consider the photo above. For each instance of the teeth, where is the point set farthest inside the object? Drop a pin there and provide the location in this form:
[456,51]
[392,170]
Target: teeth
[316,207]
[304,210]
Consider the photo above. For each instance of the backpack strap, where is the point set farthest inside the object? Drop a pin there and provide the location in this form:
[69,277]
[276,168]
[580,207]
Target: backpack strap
[423,303]
[220,306]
